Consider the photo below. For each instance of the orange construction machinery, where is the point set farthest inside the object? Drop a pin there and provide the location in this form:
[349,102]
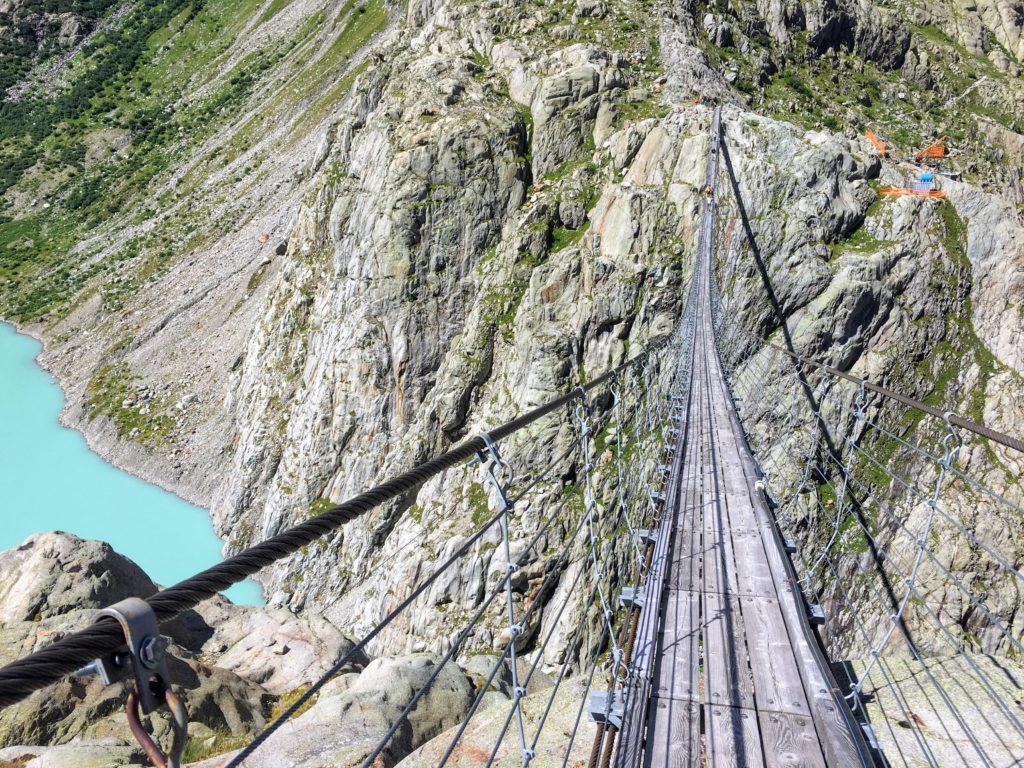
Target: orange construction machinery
[879,142]
[934,151]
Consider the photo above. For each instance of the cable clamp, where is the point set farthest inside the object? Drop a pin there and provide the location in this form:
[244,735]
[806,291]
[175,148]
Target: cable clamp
[516,630]
[607,708]
[647,536]
[519,692]
[511,568]
[144,658]
[632,597]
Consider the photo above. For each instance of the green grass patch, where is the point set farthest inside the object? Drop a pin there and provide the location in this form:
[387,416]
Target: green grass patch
[218,744]
[290,698]
[564,238]
[111,392]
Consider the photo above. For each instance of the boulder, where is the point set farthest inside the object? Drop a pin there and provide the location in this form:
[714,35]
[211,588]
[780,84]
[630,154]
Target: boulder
[343,729]
[53,573]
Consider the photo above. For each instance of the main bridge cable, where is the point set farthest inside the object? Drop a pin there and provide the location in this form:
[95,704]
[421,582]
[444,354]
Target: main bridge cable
[22,677]
[957,421]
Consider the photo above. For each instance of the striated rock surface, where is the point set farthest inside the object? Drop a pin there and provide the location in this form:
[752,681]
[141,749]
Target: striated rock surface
[365,232]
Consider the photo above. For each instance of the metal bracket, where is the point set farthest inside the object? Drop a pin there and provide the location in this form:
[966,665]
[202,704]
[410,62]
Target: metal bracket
[870,737]
[146,656]
[631,597]
[815,615]
[647,536]
[657,497]
[790,546]
[607,708]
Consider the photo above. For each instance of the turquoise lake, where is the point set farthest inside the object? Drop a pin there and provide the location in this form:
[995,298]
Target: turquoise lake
[51,481]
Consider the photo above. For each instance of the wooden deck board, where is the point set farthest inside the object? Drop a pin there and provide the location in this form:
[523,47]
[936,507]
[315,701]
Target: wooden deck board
[732,737]
[674,740]
[777,684]
[676,672]
[789,741]
[727,680]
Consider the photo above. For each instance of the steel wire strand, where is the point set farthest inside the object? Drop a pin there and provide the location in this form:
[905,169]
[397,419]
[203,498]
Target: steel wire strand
[917,492]
[978,429]
[926,750]
[890,513]
[570,653]
[912,590]
[438,668]
[538,653]
[847,600]
[535,480]
[555,570]
[943,694]
[620,485]
[1005,564]
[23,676]
[958,421]
[339,665]
[386,621]
[874,657]
[586,695]
[859,626]
[924,453]
[513,499]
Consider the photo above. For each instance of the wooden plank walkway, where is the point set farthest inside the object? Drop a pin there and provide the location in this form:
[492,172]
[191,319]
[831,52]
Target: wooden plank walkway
[735,681]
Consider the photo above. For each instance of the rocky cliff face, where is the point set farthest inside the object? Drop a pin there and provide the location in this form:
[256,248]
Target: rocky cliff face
[235,668]
[330,239]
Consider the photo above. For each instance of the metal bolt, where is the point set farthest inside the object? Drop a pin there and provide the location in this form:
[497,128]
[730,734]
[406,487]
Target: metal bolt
[92,668]
[152,650]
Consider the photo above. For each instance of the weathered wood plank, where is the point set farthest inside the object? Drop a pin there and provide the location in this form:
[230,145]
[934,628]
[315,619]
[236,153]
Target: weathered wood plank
[719,564]
[676,671]
[732,737]
[836,741]
[789,741]
[753,574]
[727,680]
[673,734]
[777,683]
[630,743]
[684,572]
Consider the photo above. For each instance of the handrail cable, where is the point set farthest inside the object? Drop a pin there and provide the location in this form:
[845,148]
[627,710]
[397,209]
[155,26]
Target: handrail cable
[30,673]
[957,421]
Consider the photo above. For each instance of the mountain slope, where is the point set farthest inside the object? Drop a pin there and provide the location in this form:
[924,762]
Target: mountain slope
[329,239]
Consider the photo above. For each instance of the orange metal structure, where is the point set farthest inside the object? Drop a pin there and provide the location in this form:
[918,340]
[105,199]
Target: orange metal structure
[908,192]
[934,151]
[880,145]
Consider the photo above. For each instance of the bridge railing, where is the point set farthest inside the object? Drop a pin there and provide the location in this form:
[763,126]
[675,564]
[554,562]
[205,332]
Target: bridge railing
[580,515]
[904,522]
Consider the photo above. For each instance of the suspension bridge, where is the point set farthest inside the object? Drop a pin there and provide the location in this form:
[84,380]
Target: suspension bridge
[754,569]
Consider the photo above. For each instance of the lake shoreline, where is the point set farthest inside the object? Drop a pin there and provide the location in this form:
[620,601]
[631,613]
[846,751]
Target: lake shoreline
[94,443]
[65,420]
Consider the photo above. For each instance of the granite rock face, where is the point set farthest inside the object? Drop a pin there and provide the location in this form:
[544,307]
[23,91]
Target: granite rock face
[499,202]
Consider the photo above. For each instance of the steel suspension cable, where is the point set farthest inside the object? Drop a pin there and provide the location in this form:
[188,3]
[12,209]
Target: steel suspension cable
[912,590]
[23,676]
